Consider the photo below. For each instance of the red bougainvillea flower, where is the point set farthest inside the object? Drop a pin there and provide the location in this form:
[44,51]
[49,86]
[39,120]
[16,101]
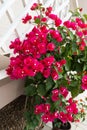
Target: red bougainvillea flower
[54,74]
[80,23]
[46,72]
[56,115]
[67,24]
[52,16]
[63,117]
[16,45]
[58,21]
[48,61]
[84,32]
[62,62]
[82,45]
[27,18]
[79,33]
[70,24]
[46,117]
[34,6]
[70,117]
[63,91]
[39,109]
[46,108]
[54,98]
[55,92]
[84,82]
[37,17]
[50,47]
[72,107]
[48,10]
[44,19]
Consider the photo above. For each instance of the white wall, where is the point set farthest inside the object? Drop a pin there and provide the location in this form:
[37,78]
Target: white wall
[79,3]
[10,90]
[83,4]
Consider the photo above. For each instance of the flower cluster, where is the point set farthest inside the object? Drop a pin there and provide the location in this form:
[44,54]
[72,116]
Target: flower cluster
[58,97]
[52,55]
[28,62]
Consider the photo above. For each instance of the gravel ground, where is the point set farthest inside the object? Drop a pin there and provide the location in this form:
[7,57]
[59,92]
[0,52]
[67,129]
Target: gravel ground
[11,116]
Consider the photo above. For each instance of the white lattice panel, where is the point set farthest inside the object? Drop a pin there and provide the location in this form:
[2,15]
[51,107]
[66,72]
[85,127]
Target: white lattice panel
[12,11]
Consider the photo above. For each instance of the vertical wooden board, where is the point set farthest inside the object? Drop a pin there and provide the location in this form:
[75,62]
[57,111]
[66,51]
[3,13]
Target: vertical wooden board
[4,24]
[82,4]
[17,8]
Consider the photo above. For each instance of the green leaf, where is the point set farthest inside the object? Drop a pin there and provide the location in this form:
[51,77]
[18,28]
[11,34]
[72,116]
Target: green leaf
[68,64]
[30,90]
[38,100]
[71,35]
[39,77]
[74,47]
[74,88]
[85,16]
[85,67]
[37,21]
[41,89]
[49,83]
[32,120]
[76,12]
[29,80]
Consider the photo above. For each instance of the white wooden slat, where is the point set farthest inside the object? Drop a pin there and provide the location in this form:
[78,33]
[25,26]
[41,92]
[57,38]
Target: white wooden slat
[11,15]
[13,26]
[64,4]
[5,6]
[15,23]
[4,47]
[67,17]
[24,3]
[59,9]
[77,3]
[9,12]
[49,3]
[11,18]
[56,4]
[3,74]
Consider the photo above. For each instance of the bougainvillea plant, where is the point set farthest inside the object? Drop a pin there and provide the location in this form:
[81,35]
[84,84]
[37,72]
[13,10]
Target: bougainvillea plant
[52,58]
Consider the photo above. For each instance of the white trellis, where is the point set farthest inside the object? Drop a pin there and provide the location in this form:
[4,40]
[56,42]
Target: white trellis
[15,27]
[11,13]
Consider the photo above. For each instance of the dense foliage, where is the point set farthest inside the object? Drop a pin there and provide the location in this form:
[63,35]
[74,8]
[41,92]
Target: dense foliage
[53,60]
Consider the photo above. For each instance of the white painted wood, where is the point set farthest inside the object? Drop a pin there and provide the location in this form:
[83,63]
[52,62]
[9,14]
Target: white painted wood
[14,24]
[82,4]
[63,5]
[5,6]
[3,74]
[77,3]
[4,62]
[73,5]
[49,3]
[10,90]
[62,8]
